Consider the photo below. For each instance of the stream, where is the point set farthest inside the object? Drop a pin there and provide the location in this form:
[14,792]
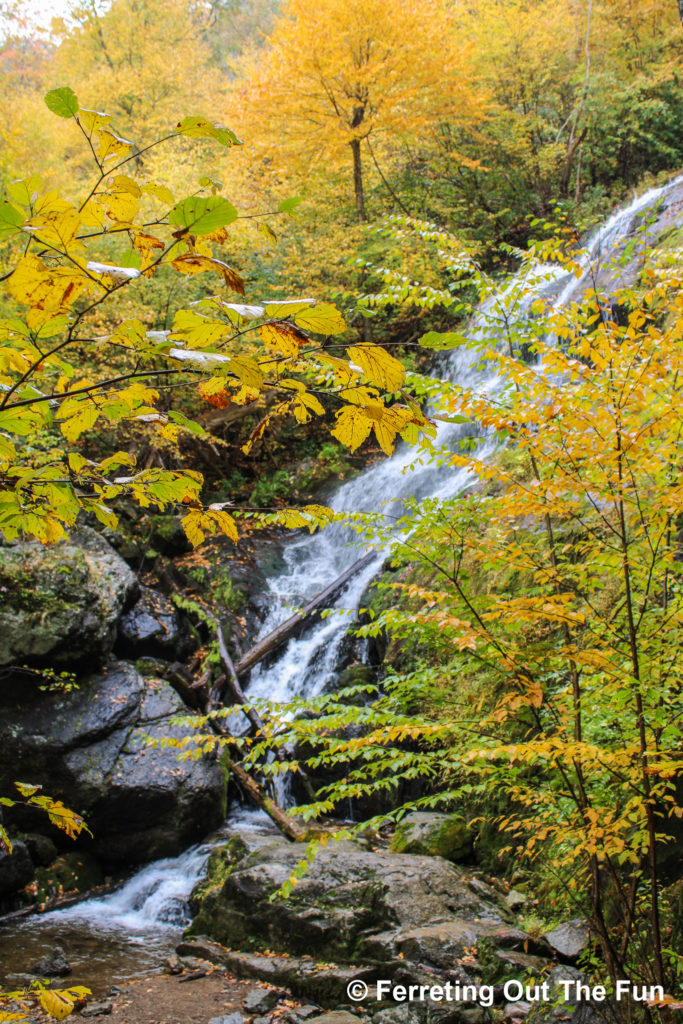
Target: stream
[130,931]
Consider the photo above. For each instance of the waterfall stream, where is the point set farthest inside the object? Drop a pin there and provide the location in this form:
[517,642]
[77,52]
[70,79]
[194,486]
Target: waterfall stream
[130,930]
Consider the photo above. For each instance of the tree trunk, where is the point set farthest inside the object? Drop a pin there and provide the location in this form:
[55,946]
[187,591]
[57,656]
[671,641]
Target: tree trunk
[283,632]
[287,825]
[358,179]
[680,10]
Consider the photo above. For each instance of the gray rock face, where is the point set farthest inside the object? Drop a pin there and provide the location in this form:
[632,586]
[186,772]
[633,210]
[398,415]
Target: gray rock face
[151,627]
[16,869]
[568,940]
[89,748]
[433,834]
[59,605]
[261,1000]
[349,895]
[53,965]
[416,920]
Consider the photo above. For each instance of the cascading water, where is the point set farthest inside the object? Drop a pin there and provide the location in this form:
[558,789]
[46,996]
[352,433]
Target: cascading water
[130,930]
[307,663]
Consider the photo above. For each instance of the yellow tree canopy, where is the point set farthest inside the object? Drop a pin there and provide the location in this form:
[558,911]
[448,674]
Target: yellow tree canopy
[339,74]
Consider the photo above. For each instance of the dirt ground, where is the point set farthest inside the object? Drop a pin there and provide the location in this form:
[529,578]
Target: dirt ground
[164,999]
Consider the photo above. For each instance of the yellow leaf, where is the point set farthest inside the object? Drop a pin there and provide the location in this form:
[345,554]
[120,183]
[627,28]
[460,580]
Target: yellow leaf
[112,146]
[352,427]
[57,1004]
[84,419]
[93,120]
[225,521]
[160,192]
[145,244]
[343,373]
[388,426]
[322,319]
[197,331]
[283,338]
[248,371]
[191,263]
[378,366]
[288,307]
[45,288]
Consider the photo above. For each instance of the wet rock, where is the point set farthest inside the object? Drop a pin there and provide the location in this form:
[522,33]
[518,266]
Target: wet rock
[59,605]
[203,949]
[433,834]
[262,1020]
[437,944]
[42,850]
[515,900]
[307,1011]
[336,1017]
[97,1009]
[77,871]
[517,1011]
[151,627]
[53,965]
[415,920]
[397,1015]
[228,1018]
[348,894]
[16,869]
[570,939]
[90,748]
[261,1000]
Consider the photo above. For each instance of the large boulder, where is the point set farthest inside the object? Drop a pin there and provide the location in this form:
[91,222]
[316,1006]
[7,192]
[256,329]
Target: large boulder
[367,914]
[16,869]
[60,605]
[98,749]
[152,628]
[433,834]
[353,904]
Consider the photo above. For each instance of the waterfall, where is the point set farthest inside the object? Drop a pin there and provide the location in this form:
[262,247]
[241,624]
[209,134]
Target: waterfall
[156,897]
[306,665]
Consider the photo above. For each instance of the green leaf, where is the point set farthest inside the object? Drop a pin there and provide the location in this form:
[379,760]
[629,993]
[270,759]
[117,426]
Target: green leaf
[439,341]
[62,102]
[290,205]
[130,259]
[25,191]
[11,220]
[202,215]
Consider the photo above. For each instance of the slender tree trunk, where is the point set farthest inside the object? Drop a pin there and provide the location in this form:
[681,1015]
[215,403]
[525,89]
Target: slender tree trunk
[680,10]
[358,179]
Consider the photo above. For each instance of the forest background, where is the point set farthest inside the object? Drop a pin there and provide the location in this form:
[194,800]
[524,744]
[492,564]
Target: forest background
[353,131]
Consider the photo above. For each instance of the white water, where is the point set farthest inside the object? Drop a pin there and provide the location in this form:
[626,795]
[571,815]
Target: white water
[308,662]
[154,901]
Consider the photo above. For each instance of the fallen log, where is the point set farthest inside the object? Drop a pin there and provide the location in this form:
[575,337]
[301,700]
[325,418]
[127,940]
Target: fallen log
[286,629]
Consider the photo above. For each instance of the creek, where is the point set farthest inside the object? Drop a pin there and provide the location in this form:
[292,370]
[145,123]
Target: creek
[130,931]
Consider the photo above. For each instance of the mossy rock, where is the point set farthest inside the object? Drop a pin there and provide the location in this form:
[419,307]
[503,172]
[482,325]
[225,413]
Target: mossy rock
[77,871]
[434,835]
[60,605]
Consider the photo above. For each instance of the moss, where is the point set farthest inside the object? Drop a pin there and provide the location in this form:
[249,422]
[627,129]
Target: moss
[72,872]
[450,838]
